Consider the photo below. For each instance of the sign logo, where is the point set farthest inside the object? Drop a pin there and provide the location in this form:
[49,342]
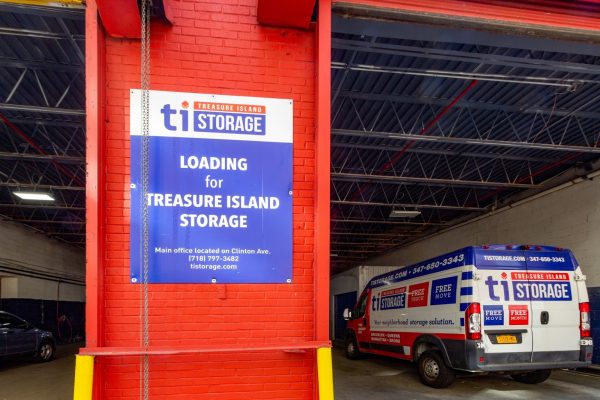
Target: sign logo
[443,291]
[389,299]
[518,315]
[493,315]
[215,117]
[418,294]
[531,286]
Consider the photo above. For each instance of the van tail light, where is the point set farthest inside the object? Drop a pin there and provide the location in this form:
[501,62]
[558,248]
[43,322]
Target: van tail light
[473,321]
[584,320]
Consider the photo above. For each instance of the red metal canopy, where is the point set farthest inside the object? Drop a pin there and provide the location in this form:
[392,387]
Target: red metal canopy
[291,14]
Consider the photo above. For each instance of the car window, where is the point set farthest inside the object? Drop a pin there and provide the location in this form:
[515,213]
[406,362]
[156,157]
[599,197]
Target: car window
[361,307]
[4,322]
[8,321]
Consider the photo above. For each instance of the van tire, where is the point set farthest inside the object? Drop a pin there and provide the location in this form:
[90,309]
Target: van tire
[532,377]
[351,347]
[433,371]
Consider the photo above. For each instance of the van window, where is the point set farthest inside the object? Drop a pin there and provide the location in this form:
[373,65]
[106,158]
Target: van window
[361,307]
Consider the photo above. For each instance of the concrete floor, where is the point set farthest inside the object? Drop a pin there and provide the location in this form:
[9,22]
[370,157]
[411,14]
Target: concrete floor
[379,378]
[373,378]
[27,380]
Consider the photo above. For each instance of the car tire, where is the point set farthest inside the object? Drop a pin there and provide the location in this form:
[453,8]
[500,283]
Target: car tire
[433,371]
[351,346]
[532,377]
[45,351]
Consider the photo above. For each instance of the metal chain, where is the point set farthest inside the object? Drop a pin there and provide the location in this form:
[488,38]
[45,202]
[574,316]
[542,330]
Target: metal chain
[145,86]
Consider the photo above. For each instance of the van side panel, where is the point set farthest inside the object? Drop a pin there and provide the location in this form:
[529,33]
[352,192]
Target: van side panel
[423,301]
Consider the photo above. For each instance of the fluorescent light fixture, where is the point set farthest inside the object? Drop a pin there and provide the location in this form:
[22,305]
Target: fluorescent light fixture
[333,255]
[404,213]
[37,196]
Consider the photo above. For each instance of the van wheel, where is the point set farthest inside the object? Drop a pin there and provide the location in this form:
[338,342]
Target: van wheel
[352,352]
[433,371]
[533,377]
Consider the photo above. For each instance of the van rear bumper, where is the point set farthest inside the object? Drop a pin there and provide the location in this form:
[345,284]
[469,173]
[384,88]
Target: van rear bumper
[477,360]
[532,366]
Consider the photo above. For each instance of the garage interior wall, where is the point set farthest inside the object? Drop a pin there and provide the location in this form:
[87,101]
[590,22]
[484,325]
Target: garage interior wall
[42,281]
[567,218]
[213,48]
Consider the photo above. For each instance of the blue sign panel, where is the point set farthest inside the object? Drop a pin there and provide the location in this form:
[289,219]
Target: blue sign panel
[443,291]
[542,291]
[493,315]
[219,206]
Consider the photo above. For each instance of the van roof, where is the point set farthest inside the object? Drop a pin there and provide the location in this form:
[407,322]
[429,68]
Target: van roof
[494,256]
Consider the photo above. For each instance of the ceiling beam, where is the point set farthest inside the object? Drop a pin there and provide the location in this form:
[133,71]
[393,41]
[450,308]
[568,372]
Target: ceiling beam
[40,65]
[42,206]
[371,46]
[445,152]
[405,234]
[566,84]
[340,176]
[388,222]
[39,120]
[40,186]
[406,205]
[43,221]
[40,109]
[396,98]
[6,31]
[365,244]
[41,157]
[467,141]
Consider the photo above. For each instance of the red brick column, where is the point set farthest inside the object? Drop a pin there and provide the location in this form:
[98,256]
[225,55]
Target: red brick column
[217,48]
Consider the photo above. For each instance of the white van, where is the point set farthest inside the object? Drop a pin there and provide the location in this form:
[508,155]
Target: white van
[521,310]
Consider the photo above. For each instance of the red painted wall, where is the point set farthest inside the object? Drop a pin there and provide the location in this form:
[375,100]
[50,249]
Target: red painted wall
[214,47]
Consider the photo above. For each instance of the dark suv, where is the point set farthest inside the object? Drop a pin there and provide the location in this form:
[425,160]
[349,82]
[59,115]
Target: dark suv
[19,338]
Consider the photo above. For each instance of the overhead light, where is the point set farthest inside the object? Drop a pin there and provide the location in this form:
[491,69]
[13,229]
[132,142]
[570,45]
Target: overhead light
[404,213]
[36,196]
[333,255]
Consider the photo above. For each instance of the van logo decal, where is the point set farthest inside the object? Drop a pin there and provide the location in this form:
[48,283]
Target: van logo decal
[418,294]
[389,299]
[215,118]
[518,315]
[493,315]
[531,286]
[443,291]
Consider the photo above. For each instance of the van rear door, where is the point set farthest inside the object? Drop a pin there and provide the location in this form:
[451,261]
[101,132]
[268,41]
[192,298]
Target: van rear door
[507,331]
[550,288]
